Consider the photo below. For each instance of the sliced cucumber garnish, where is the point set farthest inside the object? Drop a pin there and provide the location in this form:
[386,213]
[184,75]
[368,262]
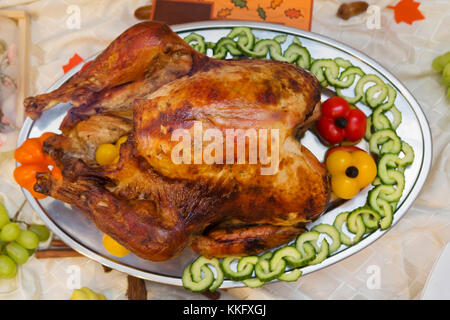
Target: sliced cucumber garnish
[200,265]
[332,232]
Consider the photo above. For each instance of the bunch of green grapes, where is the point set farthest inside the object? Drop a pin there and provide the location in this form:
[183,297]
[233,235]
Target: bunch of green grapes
[442,64]
[16,244]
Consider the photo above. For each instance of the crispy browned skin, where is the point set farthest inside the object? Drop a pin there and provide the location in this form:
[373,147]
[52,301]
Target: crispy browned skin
[139,61]
[241,240]
[155,207]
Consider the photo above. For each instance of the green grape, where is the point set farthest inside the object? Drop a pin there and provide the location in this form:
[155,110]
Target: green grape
[16,252]
[41,231]
[10,232]
[8,268]
[28,239]
[446,75]
[4,218]
[440,62]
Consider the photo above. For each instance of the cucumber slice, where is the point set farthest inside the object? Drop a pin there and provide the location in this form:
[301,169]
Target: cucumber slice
[264,272]
[332,232]
[225,45]
[198,42]
[391,95]
[369,128]
[291,276]
[397,117]
[199,265]
[309,254]
[408,157]
[298,54]
[347,77]
[260,50]
[331,69]
[381,137]
[385,161]
[369,216]
[244,267]
[281,38]
[374,194]
[380,121]
[375,95]
[210,45]
[368,78]
[256,282]
[281,253]
[376,181]
[387,192]
[197,286]
[245,36]
[341,62]
[311,236]
[253,283]
[338,224]
[400,185]
[322,254]
[296,40]
[386,212]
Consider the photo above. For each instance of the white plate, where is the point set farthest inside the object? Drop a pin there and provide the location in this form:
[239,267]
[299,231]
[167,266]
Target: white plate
[74,228]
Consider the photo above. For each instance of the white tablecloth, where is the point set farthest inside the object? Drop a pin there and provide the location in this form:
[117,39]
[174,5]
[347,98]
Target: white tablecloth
[403,257]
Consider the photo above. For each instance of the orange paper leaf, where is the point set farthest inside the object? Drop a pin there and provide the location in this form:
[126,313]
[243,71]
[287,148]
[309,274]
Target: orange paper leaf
[275,3]
[224,12]
[407,11]
[293,13]
[75,60]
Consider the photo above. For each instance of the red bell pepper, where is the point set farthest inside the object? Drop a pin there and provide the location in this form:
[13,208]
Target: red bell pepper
[340,122]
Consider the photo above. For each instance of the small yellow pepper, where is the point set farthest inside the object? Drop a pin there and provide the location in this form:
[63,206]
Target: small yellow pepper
[113,247]
[86,294]
[109,153]
[350,170]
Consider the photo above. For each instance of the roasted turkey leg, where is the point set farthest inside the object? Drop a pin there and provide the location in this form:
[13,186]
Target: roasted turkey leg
[140,60]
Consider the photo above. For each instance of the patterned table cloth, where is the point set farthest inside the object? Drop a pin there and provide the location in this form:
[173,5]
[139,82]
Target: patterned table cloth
[394,267]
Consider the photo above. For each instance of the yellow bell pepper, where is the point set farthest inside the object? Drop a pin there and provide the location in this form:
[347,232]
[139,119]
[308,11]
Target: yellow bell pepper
[350,170]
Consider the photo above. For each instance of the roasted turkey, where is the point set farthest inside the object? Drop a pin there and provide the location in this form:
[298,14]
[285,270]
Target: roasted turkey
[147,84]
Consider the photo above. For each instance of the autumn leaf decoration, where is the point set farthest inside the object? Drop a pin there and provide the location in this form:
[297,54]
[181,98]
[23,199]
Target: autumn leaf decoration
[224,12]
[275,4]
[261,13]
[240,3]
[74,61]
[293,13]
[407,11]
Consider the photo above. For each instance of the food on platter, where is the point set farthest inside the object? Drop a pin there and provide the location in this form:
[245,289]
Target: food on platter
[115,152]
[350,171]
[153,206]
[340,121]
